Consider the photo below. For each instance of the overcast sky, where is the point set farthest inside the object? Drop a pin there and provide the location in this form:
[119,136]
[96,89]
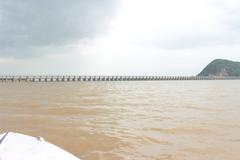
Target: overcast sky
[117,37]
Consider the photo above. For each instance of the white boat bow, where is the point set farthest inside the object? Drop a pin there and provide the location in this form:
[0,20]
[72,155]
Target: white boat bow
[15,146]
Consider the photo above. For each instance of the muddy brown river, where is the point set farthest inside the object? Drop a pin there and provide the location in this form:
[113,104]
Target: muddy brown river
[152,120]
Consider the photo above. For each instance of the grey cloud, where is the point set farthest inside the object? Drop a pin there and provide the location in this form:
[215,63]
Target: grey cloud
[36,23]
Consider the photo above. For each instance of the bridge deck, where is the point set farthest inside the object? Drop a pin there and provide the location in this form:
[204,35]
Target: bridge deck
[105,78]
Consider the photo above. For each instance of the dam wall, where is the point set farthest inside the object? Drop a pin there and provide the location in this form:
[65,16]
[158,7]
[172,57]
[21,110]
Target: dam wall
[62,78]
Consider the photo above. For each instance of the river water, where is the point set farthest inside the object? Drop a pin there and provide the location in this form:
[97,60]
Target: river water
[152,120]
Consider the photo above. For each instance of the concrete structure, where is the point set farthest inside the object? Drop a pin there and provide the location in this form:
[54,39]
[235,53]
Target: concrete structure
[49,78]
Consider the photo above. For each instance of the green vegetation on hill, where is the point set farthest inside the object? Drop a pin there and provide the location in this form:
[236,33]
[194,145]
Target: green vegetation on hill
[221,67]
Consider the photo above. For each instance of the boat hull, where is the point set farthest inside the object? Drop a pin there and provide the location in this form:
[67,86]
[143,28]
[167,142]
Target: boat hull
[15,146]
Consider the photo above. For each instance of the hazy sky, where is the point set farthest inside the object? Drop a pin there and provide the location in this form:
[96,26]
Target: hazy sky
[117,37]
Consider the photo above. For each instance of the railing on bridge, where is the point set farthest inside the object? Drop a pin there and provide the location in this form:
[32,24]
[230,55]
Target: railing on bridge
[62,78]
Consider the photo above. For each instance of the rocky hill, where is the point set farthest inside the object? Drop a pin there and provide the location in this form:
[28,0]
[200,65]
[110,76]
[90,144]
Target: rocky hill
[221,67]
